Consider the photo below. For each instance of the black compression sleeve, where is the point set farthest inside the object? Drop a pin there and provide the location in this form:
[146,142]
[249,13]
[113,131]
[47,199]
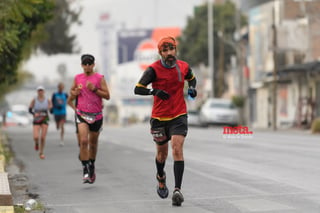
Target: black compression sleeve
[141,91]
[31,111]
[190,75]
[147,77]
[192,83]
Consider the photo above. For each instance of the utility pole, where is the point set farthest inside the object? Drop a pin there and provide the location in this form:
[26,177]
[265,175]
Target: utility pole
[275,69]
[239,49]
[240,63]
[210,49]
[220,74]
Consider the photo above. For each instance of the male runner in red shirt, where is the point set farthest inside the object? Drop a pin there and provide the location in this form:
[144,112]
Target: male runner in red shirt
[169,112]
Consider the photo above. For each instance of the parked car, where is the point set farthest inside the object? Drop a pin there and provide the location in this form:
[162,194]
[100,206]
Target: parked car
[193,118]
[18,115]
[218,111]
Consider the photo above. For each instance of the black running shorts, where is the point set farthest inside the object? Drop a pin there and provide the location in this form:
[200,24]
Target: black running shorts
[163,130]
[59,118]
[94,127]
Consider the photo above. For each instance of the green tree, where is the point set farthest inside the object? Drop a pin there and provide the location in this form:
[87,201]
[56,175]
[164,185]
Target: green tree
[193,44]
[57,38]
[29,24]
[19,19]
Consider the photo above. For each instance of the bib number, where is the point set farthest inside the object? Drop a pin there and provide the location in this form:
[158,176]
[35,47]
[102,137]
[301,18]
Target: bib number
[159,134]
[40,117]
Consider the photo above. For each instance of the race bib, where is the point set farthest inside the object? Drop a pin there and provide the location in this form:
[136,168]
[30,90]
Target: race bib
[159,134]
[40,117]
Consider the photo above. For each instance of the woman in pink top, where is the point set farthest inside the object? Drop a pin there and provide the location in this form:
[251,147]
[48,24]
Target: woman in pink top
[90,88]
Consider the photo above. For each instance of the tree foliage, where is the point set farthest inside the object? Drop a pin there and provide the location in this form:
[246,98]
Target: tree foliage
[193,44]
[29,24]
[18,19]
[57,38]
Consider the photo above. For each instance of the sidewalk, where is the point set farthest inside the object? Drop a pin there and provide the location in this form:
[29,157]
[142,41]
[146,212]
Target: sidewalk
[286,131]
[6,202]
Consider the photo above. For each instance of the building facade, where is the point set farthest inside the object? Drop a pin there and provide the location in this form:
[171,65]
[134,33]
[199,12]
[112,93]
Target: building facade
[284,82]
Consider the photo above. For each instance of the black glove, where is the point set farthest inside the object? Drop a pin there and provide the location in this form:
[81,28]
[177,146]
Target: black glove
[192,92]
[160,93]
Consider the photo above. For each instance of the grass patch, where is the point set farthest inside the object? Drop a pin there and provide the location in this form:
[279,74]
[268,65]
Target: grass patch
[5,149]
[20,208]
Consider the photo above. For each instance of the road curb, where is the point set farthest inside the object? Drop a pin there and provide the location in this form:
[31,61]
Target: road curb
[6,201]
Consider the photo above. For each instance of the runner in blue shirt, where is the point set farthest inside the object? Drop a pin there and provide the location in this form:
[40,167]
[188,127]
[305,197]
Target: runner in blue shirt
[59,102]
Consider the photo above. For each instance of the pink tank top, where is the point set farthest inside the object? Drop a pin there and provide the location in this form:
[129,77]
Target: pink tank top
[88,101]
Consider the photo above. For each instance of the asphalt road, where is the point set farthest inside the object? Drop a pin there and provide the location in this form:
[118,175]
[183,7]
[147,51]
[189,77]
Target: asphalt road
[270,172]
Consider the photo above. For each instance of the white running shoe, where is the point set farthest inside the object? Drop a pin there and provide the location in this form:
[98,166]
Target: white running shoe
[86,178]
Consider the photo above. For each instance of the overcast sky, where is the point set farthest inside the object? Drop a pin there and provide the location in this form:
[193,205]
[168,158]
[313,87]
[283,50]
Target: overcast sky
[130,14]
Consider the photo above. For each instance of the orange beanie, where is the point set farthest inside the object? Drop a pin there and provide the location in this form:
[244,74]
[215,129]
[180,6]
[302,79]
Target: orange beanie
[166,41]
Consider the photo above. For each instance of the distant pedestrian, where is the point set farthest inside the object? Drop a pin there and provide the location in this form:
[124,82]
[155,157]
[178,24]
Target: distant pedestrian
[39,108]
[59,102]
[90,88]
[169,112]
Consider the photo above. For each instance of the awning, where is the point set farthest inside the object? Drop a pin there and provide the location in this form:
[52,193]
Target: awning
[310,67]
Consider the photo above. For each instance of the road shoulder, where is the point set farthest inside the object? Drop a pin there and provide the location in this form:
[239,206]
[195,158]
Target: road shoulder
[6,201]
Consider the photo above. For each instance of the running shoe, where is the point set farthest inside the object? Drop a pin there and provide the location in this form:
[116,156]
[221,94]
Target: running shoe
[92,178]
[92,174]
[42,156]
[86,177]
[162,188]
[177,198]
[36,147]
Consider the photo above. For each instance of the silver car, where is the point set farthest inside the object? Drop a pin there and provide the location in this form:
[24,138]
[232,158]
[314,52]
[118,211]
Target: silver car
[19,115]
[193,118]
[218,111]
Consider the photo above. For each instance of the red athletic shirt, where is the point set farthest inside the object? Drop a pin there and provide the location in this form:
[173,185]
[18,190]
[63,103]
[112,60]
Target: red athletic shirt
[170,80]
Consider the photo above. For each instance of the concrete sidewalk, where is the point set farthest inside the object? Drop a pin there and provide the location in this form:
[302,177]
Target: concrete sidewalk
[6,202]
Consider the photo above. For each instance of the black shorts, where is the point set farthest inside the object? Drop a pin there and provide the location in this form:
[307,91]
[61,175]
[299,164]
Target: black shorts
[59,118]
[75,121]
[94,127]
[163,130]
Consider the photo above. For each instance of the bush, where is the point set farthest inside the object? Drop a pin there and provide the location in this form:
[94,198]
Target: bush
[238,100]
[315,126]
